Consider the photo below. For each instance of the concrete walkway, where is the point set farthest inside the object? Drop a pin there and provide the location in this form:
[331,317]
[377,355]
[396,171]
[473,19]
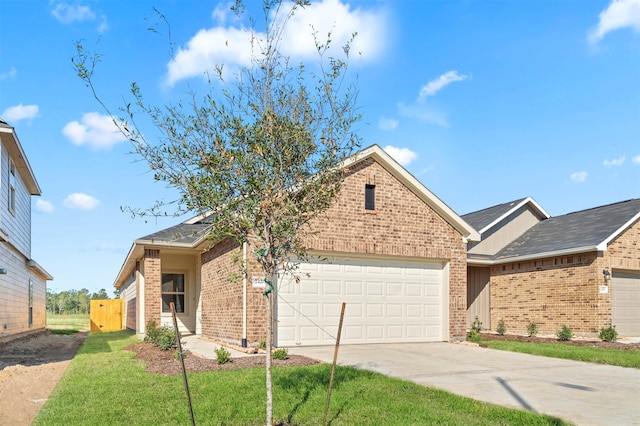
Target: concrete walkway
[578,392]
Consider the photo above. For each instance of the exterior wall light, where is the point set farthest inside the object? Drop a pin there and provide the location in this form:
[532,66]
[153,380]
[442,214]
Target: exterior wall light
[607,274]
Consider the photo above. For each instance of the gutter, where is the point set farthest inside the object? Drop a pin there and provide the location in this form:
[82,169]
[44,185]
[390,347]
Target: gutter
[565,252]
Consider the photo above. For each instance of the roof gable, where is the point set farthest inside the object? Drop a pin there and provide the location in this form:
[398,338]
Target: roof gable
[414,185]
[590,229]
[12,144]
[485,219]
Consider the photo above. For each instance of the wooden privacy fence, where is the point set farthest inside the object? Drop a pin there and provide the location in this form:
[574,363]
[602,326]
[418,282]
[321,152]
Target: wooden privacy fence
[106,315]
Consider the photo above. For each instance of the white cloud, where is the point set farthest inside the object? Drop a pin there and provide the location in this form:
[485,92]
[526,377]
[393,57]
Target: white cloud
[403,156]
[11,74]
[230,45]
[423,113]
[387,123]
[44,206]
[95,130]
[81,201]
[636,160]
[20,112]
[578,177]
[66,13]
[615,162]
[104,25]
[435,85]
[619,14]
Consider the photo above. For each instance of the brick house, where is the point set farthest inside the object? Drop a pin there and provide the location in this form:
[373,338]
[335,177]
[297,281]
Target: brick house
[580,269]
[397,259]
[22,280]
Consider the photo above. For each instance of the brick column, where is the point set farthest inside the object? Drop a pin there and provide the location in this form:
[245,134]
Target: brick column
[152,286]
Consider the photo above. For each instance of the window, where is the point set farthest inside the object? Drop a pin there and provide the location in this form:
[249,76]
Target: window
[12,187]
[30,303]
[173,291]
[370,197]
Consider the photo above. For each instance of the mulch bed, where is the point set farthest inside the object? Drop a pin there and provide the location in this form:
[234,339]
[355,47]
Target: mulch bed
[575,341]
[165,362]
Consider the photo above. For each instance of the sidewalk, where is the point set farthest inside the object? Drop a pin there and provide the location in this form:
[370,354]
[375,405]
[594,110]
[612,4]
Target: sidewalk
[206,348]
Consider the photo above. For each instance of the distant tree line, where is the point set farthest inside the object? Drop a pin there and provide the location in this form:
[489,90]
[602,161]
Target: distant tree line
[72,301]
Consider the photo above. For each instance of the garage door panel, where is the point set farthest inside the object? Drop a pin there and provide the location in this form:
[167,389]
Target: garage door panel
[625,306]
[386,301]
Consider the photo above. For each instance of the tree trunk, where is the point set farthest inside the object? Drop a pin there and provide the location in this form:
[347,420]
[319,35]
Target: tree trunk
[268,356]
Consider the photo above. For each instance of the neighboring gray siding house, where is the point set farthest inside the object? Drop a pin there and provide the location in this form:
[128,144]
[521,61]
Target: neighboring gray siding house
[22,280]
[581,269]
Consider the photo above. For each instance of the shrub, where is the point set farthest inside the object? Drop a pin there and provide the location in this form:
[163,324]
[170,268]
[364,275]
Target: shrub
[222,355]
[564,334]
[532,329]
[474,336]
[476,325]
[608,334]
[501,328]
[166,338]
[281,353]
[263,343]
[163,337]
[152,333]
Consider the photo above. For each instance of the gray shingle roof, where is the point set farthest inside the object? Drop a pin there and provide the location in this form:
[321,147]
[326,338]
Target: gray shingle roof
[480,219]
[183,233]
[586,228]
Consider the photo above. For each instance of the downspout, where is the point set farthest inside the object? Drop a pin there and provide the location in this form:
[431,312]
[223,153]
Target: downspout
[244,295]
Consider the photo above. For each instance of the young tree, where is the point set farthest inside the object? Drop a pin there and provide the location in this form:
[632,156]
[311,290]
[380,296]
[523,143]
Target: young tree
[260,154]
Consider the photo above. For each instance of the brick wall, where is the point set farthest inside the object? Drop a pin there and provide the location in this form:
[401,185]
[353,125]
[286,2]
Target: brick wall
[561,290]
[550,292]
[400,225]
[152,289]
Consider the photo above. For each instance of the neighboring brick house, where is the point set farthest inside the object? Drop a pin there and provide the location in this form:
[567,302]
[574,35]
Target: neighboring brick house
[22,280]
[390,249]
[581,269]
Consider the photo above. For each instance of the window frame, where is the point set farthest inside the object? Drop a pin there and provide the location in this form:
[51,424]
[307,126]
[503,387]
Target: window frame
[175,294]
[369,197]
[11,193]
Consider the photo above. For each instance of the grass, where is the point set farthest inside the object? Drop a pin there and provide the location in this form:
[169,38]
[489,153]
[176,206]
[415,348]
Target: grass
[618,357]
[67,324]
[105,385]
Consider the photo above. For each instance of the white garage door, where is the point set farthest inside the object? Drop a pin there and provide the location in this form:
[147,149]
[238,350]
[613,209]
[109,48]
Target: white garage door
[625,306]
[385,302]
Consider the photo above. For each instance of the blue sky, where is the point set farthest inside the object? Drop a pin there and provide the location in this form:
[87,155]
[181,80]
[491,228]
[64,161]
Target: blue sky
[484,102]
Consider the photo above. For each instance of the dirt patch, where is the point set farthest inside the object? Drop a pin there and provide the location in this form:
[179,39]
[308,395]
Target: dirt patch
[30,368]
[576,341]
[165,362]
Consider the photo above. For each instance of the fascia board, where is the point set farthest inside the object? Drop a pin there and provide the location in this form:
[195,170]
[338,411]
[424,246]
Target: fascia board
[17,154]
[417,188]
[527,200]
[39,270]
[603,245]
[565,252]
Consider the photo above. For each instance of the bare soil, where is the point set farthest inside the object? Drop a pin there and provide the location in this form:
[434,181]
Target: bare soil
[30,368]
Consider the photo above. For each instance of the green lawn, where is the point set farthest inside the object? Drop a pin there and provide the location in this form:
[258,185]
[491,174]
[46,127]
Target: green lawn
[65,324]
[105,385]
[618,357]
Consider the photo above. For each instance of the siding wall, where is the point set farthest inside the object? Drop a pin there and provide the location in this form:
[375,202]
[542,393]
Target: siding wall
[505,232]
[14,300]
[17,226]
[128,294]
[14,254]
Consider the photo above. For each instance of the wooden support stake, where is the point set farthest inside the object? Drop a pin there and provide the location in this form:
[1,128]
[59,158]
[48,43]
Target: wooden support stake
[333,368]
[184,370]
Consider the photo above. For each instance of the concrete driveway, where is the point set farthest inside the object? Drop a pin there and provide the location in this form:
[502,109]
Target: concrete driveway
[578,392]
